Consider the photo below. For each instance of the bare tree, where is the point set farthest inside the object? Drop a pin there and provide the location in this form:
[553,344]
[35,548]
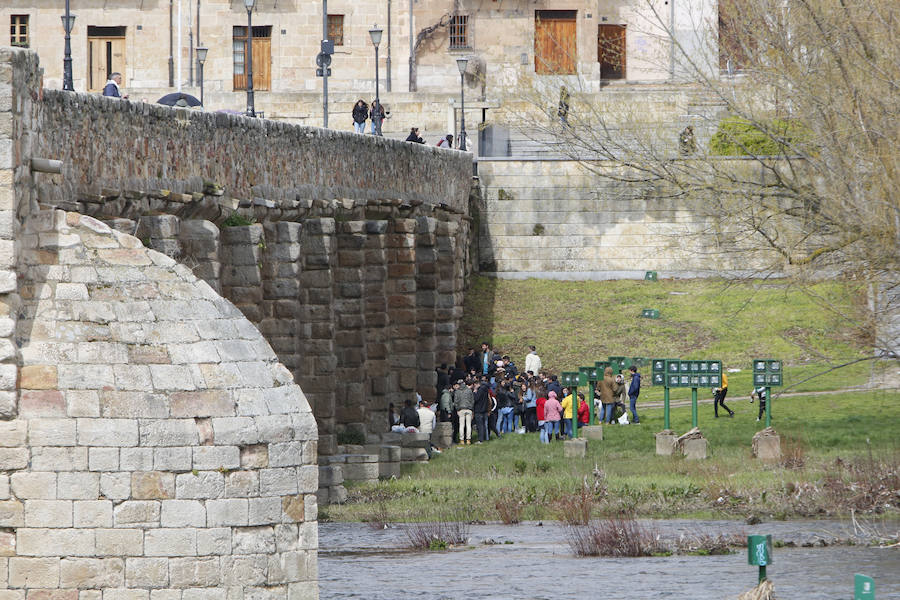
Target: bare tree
[809,98]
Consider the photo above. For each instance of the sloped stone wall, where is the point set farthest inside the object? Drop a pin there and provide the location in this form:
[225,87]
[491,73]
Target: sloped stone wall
[157,449]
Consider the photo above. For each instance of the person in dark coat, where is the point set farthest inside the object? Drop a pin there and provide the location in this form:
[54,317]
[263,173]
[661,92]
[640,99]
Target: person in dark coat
[111,89]
[414,136]
[482,408]
[360,114]
[377,115]
[409,416]
[633,391]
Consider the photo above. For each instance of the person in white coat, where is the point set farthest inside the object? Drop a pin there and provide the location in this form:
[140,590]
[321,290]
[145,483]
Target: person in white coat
[533,361]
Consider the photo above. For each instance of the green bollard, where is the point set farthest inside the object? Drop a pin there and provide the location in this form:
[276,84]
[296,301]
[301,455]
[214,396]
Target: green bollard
[667,425]
[694,407]
[759,553]
[863,587]
[768,406]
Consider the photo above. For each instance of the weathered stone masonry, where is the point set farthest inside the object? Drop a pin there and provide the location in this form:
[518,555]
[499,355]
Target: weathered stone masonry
[153,444]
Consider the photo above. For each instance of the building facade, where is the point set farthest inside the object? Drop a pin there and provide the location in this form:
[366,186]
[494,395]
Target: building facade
[151,43]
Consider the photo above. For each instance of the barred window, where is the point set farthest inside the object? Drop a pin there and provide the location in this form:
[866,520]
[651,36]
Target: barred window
[18,31]
[336,29]
[459,32]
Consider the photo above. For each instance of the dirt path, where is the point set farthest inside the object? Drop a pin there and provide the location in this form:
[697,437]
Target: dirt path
[705,400]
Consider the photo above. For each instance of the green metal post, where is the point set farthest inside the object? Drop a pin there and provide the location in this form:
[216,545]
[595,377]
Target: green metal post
[762,573]
[768,406]
[592,385]
[693,407]
[666,409]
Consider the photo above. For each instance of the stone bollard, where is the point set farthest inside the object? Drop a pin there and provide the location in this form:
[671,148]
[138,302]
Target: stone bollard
[331,488]
[694,449]
[767,445]
[388,460]
[576,448]
[592,432]
[361,467]
[442,436]
[665,442]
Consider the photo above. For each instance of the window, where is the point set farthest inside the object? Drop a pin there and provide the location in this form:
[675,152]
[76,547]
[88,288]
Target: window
[459,32]
[554,42]
[611,51]
[336,29]
[262,57]
[18,31]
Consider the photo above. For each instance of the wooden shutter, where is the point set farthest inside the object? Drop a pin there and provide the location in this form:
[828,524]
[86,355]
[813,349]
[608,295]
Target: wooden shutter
[554,42]
[611,51]
[262,63]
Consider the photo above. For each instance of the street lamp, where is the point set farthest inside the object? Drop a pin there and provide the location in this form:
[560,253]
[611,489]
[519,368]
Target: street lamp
[375,34]
[68,21]
[201,58]
[251,109]
[462,63]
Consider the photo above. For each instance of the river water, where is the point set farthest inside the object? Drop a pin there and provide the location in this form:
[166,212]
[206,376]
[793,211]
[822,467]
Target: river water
[531,562]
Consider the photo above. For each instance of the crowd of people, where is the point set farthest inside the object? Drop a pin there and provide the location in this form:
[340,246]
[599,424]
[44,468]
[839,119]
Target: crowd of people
[487,395]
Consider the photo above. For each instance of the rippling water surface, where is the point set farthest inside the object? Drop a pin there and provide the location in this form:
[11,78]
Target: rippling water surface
[358,562]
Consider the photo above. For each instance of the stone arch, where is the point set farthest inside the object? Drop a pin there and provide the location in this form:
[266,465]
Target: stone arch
[156,442]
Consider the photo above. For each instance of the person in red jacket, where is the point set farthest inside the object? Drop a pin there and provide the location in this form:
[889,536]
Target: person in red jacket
[584,412]
[542,399]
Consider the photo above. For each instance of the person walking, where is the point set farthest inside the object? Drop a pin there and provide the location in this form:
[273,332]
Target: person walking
[719,397]
[112,89]
[360,114]
[414,136]
[463,403]
[445,142]
[761,394]
[607,399]
[634,390]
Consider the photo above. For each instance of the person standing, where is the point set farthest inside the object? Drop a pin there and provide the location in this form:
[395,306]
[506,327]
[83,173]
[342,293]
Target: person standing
[584,411]
[634,390]
[607,399]
[719,397]
[539,413]
[552,415]
[360,114]
[470,361]
[533,361]
[112,87]
[463,403]
[446,142]
[567,404]
[377,116]
[486,360]
[529,399]
[482,409]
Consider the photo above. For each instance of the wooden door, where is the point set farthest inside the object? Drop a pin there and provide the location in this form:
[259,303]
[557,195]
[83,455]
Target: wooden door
[262,63]
[106,55]
[611,51]
[555,49]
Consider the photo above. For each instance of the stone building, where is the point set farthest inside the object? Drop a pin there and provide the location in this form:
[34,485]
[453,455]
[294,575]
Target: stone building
[595,42]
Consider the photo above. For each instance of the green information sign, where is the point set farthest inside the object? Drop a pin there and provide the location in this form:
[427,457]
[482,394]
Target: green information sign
[863,587]
[767,372]
[759,553]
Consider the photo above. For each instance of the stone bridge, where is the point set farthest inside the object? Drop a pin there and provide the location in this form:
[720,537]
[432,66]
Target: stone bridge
[194,306]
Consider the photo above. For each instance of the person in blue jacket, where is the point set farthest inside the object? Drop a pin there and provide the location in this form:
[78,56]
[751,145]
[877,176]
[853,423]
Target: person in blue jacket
[634,391]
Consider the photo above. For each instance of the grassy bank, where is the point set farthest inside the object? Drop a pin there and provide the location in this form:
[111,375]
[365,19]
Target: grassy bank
[841,452]
[575,323]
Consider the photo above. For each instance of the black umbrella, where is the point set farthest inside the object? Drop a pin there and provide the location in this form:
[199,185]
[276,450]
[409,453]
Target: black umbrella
[179,99]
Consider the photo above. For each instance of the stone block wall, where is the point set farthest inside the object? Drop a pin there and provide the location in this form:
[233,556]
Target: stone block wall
[156,448]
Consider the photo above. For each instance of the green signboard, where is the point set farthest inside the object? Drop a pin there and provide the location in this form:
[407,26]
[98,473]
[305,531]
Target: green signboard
[651,276]
[767,372]
[863,587]
[687,373]
[650,313]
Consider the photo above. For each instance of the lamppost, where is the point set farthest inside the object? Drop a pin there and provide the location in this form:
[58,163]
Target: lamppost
[462,63]
[201,58]
[251,109]
[375,34]
[68,21]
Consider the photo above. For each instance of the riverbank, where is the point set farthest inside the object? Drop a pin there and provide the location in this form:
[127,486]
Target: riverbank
[841,453]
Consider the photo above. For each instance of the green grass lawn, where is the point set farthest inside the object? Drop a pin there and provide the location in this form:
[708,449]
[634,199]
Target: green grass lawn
[828,434]
[578,322]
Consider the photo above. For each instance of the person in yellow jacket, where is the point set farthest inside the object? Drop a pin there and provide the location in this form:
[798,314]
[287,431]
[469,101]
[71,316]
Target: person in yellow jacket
[567,413]
[719,398]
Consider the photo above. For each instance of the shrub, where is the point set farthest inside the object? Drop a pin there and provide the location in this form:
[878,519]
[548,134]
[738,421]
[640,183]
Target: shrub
[740,137]
[614,537]
[237,220]
[509,506]
[437,535]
